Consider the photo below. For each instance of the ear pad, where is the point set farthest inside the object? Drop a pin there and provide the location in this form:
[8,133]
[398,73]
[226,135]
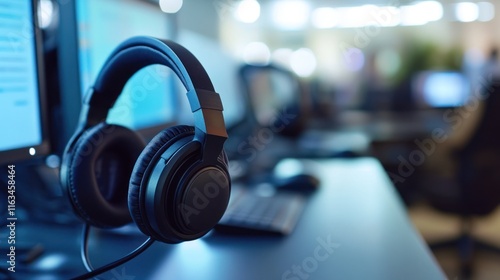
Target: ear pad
[145,163]
[98,172]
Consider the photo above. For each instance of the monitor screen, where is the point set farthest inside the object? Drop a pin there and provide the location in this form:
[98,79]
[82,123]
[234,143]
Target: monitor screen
[440,89]
[22,119]
[97,27]
[271,90]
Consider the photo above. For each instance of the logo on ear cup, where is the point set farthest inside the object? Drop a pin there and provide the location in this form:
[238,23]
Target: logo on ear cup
[205,200]
[216,186]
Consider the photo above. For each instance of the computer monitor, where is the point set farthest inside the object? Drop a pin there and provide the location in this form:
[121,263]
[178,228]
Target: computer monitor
[440,89]
[89,31]
[270,89]
[22,96]
[276,98]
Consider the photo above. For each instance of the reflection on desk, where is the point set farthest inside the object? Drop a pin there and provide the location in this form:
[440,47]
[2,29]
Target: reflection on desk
[353,227]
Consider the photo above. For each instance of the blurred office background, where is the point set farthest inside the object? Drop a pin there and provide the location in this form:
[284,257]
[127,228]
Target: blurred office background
[411,83]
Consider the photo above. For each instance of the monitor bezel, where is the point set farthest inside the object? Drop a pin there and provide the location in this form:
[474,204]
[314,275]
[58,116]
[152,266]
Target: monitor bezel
[43,148]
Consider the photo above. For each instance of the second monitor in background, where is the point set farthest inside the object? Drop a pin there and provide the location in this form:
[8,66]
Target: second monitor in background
[276,98]
[440,89]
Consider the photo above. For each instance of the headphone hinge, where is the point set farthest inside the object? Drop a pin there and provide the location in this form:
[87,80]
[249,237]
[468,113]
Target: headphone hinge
[204,99]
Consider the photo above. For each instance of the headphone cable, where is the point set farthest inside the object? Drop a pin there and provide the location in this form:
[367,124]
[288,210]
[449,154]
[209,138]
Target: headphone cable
[6,272]
[94,272]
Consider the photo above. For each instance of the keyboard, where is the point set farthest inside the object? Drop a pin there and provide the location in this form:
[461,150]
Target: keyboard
[250,212]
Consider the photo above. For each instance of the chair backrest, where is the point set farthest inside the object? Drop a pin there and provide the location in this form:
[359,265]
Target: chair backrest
[485,135]
[479,170]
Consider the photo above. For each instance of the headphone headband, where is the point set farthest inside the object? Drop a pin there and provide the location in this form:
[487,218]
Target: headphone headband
[138,52]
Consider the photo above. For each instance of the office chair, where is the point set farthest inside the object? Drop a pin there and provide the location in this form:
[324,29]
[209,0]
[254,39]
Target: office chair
[474,190]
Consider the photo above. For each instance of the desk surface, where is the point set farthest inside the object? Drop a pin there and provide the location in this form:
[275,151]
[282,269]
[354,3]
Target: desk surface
[354,227]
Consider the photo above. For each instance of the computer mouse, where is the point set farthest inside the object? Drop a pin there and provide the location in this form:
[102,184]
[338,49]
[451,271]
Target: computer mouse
[301,182]
[295,175]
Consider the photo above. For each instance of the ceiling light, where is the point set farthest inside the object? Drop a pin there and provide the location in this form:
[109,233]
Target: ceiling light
[256,53]
[303,62]
[170,6]
[466,11]
[486,11]
[248,11]
[45,13]
[290,15]
[421,13]
[325,17]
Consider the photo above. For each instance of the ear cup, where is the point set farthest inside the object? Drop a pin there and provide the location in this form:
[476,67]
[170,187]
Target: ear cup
[143,168]
[98,172]
[151,152]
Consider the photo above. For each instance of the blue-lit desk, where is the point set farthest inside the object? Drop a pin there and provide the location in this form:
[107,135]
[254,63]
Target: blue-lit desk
[354,227]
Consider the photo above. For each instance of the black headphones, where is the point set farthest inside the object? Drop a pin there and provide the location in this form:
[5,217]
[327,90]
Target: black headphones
[178,184]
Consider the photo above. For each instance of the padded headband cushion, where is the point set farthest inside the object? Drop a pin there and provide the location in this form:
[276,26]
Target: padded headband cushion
[138,52]
[102,159]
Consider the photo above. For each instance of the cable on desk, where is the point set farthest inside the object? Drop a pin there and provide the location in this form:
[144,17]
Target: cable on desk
[7,273]
[86,260]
